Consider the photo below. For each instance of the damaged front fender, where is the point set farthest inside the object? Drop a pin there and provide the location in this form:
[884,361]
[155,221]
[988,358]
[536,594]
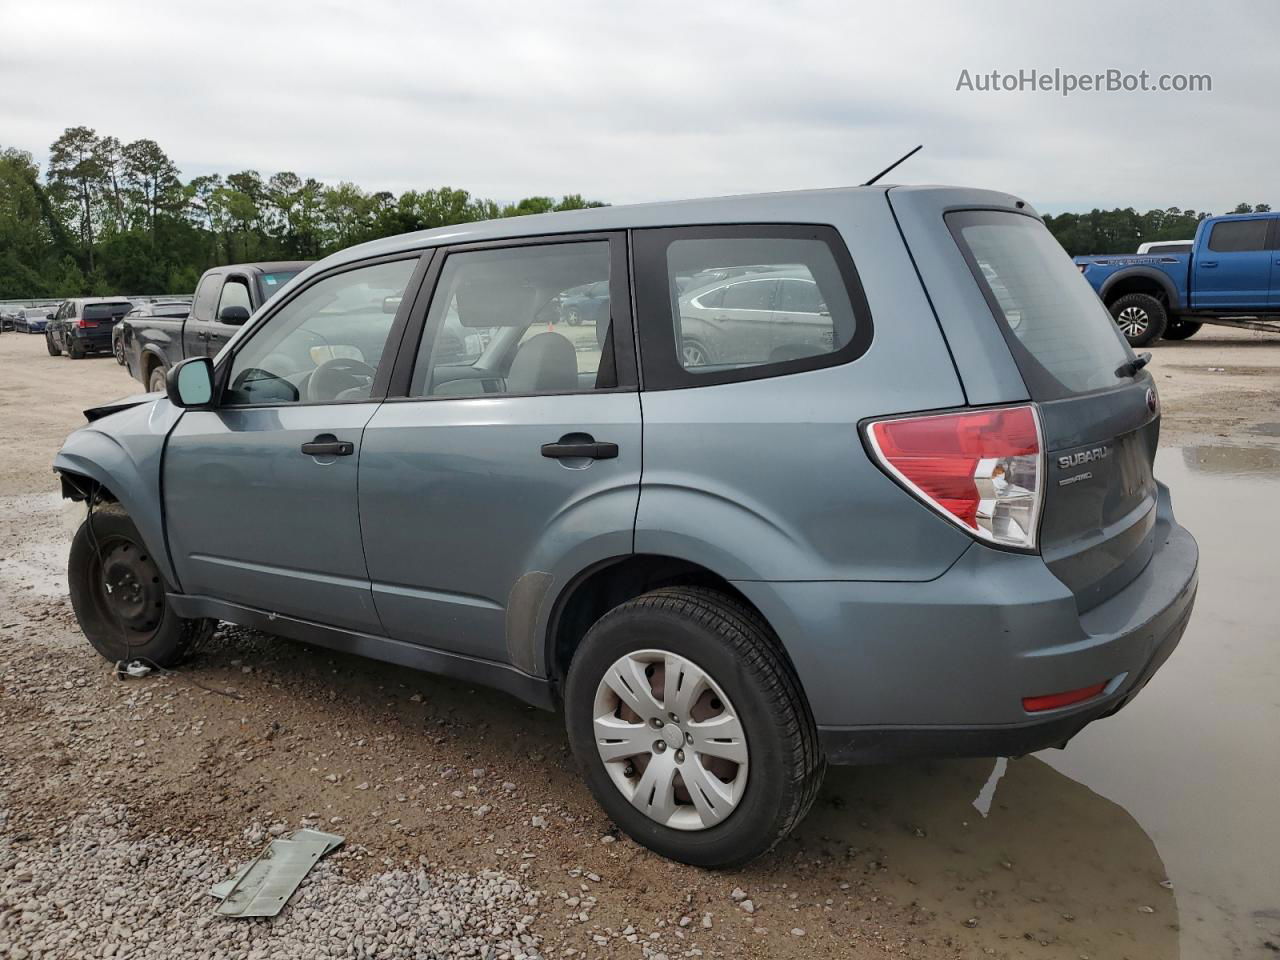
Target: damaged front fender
[123,452]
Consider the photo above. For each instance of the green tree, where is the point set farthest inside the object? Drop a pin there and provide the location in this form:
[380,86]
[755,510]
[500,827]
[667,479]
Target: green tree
[76,177]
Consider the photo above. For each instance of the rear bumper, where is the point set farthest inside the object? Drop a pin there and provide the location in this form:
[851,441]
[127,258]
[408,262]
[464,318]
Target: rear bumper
[91,339]
[940,668]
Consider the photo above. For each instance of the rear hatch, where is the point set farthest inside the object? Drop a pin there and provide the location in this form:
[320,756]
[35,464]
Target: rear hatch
[103,316]
[1099,420]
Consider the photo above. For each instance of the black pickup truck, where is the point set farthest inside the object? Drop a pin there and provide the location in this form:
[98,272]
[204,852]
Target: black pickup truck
[225,297]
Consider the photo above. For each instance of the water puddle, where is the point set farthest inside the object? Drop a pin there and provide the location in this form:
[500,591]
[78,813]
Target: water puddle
[1156,833]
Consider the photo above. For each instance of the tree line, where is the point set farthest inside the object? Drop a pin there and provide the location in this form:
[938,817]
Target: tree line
[109,218]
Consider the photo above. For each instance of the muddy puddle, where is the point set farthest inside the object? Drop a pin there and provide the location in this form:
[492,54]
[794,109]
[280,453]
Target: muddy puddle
[1156,833]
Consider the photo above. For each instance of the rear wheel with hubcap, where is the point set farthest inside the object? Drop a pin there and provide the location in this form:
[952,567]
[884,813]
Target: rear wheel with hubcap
[118,594]
[691,728]
[156,380]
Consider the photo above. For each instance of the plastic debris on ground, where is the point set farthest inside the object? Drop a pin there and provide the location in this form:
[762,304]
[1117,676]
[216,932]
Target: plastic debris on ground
[261,887]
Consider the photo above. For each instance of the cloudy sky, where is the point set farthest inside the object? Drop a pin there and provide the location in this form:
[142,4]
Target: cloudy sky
[633,101]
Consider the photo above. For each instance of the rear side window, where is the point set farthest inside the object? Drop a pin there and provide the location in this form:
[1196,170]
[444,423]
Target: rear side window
[719,304]
[1239,236]
[1062,337]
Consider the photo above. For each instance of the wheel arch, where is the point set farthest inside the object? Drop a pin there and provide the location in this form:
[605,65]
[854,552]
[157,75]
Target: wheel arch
[1141,280]
[605,585]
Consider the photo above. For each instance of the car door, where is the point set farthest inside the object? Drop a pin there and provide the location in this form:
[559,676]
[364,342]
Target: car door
[512,462]
[802,324]
[195,332]
[1233,268]
[260,491]
[234,293]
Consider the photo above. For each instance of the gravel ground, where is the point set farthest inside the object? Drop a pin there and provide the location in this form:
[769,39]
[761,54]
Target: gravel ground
[468,830]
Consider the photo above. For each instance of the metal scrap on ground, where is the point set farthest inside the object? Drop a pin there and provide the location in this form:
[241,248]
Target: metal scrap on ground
[261,887]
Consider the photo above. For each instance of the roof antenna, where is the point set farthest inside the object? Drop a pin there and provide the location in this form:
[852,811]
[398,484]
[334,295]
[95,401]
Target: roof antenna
[894,164]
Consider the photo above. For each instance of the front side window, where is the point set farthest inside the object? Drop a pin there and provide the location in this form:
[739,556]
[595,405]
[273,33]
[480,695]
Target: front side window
[235,293]
[519,320]
[1239,236]
[746,302]
[326,344]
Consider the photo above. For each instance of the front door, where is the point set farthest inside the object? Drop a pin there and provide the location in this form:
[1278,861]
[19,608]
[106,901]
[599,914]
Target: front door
[1233,270]
[260,492]
[513,463]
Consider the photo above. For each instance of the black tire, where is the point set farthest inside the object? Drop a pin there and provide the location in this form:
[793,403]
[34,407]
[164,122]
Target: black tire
[156,378]
[732,645]
[1141,318]
[74,350]
[54,350]
[133,620]
[1181,329]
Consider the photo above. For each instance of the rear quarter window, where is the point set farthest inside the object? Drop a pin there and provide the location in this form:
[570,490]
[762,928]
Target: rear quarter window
[1062,337]
[718,304]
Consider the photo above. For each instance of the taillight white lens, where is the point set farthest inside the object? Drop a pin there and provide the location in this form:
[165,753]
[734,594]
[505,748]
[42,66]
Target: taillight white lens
[981,469]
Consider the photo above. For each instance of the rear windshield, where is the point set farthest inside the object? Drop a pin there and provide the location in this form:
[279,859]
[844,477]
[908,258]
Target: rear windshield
[105,311]
[1061,335]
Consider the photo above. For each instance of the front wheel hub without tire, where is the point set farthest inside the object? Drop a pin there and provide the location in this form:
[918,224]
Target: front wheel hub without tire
[131,587]
[694,773]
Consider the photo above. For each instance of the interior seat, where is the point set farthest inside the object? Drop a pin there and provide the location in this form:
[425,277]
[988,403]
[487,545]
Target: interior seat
[544,363]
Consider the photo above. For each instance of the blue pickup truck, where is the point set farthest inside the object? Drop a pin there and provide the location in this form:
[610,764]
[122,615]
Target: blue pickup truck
[1231,277]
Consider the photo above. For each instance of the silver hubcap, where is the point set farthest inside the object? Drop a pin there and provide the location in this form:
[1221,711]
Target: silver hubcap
[1133,321]
[694,356]
[670,740]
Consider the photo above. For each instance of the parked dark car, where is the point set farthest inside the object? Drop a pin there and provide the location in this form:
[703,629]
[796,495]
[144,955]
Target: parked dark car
[122,333]
[83,325]
[588,303]
[920,521]
[32,319]
[225,298]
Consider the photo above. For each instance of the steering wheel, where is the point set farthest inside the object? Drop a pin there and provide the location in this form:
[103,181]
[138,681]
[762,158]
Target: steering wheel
[340,375]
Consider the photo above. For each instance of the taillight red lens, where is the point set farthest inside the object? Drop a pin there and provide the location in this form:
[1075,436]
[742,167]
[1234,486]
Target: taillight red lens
[979,468]
[84,324]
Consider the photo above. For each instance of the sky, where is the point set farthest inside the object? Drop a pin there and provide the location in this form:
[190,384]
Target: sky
[658,100]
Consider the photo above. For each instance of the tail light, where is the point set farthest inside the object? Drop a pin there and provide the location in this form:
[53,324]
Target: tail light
[84,324]
[981,469]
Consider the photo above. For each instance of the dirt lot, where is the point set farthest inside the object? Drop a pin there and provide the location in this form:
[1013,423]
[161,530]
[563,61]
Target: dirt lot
[424,774]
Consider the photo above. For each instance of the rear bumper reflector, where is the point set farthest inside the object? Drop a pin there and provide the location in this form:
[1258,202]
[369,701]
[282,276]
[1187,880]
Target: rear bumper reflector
[1053,701]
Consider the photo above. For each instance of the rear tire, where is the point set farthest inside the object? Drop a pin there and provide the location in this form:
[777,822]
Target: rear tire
[118,594]
[1181,329]
[118,350]
[74,350]
[52,347]
[1141,318]
[156,379]
[739,677]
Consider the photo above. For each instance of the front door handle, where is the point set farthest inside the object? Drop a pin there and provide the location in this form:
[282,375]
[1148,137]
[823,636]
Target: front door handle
[327,445]
[202,335]
[1208,264]
[587,449]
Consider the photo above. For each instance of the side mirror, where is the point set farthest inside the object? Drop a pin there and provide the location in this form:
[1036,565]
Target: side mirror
[190,383]
[233,315]
[48,316]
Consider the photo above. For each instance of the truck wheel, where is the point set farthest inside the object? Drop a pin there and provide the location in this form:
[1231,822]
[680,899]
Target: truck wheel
[74,350]
[1181,329]
[118,595]
[51,346]
[690,727]
[1141,318]
[118,349]
[156,379]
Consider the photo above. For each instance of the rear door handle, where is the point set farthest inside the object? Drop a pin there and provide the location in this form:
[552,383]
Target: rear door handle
[589,449]
[1208,264]
[202,335]
[327,445]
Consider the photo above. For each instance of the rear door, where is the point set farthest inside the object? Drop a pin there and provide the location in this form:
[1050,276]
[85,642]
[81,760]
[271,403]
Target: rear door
[1232,269]
[512,461]
[1274,300]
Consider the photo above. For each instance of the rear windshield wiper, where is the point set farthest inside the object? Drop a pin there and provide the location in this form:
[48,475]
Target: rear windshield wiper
[1133,366]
